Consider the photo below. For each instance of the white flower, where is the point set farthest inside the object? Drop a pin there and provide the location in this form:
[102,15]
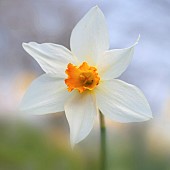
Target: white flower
[82,81]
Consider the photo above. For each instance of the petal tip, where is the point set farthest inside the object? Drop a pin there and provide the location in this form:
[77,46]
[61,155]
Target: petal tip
[72,144]
[24,44]
[138,39]
[96,9]
[29,43]
[149,117]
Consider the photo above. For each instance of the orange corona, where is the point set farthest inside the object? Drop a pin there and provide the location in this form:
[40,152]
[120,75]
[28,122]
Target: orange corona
[82,78]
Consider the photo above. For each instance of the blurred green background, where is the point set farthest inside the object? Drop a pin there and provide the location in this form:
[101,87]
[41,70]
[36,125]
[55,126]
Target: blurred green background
[42,142]
[46,146]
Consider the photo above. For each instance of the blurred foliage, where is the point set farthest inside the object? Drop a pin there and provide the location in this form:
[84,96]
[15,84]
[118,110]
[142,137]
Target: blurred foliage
[132,152]
[25,148]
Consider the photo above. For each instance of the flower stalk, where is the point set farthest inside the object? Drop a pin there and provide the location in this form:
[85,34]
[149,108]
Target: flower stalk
[103,158]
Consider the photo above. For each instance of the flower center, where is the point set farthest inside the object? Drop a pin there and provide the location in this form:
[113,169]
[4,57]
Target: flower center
[82,78]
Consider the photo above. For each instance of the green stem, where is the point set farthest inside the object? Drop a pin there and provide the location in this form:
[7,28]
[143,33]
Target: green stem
[103,143]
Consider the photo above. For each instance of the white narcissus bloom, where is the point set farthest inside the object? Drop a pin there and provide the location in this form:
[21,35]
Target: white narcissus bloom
[82,81]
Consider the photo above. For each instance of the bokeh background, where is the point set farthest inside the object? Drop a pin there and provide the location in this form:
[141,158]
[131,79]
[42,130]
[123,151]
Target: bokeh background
[41,143]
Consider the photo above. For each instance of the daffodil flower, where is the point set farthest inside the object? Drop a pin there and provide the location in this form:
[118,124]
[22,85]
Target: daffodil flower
[83,81]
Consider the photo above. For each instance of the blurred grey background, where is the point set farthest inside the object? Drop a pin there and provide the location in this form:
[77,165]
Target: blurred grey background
[53,21]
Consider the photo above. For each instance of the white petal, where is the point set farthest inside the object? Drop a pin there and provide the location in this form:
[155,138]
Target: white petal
[46,94]
[80,111]
[52,58]
[122,102]
[115,62]
[89,38]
